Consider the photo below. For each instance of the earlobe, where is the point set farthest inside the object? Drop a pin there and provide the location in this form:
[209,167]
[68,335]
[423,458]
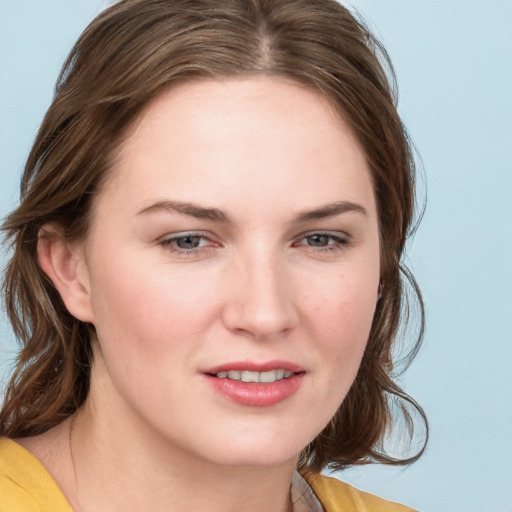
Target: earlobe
[64,264]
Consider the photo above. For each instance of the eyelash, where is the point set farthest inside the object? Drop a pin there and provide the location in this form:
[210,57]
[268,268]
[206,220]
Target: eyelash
[338,243]
[168,243]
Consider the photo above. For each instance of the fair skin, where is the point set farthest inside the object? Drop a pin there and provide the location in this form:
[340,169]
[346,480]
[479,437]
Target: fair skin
[238,228]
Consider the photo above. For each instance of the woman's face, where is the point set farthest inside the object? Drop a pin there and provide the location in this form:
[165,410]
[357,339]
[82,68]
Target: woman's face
[236,240]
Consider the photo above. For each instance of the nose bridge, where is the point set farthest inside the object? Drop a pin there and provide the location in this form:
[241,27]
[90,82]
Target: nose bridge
[262,300]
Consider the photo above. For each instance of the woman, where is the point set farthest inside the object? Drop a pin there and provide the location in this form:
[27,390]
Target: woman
[206,270]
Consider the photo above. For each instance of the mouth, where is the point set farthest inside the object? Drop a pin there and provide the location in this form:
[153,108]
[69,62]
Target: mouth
[254,384]
[251,376]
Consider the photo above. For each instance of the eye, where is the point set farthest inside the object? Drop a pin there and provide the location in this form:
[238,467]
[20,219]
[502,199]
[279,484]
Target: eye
[318,240]
[187,243]
[321,241]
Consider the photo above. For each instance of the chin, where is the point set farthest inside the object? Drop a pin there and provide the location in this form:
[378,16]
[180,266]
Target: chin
[255,451]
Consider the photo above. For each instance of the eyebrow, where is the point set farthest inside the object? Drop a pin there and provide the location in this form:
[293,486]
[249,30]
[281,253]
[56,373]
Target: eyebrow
[216,215]
[331,210]
[191,209]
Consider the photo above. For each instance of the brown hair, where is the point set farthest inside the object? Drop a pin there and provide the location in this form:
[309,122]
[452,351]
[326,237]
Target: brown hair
[129,54]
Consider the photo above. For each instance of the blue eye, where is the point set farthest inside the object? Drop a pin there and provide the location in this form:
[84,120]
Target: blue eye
[323,241]
[186,243]
[318,240]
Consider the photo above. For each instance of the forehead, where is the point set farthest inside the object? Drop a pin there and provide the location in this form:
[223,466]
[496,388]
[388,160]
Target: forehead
[212,141]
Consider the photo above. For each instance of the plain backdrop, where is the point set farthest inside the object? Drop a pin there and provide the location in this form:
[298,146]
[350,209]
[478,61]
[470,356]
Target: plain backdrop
[453,59]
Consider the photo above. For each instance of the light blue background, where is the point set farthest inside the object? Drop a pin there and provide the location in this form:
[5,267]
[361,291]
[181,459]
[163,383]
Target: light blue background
[453,59]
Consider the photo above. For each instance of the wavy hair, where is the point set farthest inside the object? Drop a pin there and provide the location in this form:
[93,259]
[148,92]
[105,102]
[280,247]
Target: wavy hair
[128,55]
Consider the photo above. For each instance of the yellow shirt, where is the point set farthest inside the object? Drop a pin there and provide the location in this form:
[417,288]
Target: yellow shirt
[26,486]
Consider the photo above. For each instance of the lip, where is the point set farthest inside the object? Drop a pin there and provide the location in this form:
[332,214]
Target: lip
[256,394]
[253,366]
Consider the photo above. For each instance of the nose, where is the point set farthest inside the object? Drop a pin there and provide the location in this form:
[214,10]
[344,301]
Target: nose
[261,300]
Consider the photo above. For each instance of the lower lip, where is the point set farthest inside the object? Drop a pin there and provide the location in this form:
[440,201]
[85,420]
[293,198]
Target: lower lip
[257,394]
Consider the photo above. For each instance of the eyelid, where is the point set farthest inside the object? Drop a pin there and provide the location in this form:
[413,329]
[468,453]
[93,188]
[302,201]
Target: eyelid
[184,234]
[326,232]
[341,240]
[167,242]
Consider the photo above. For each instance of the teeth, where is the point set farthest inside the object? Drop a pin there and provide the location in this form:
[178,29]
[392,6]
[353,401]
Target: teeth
[248,376]
[271,376]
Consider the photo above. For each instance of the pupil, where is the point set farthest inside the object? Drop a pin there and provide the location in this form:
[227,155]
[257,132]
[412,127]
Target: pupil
[318,240]
[188,242]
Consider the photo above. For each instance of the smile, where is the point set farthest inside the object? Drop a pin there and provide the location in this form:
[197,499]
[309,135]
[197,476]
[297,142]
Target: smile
[250,376]
[253,384]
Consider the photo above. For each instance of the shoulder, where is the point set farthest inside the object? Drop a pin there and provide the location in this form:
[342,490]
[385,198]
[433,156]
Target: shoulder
[25,484]
[337,496]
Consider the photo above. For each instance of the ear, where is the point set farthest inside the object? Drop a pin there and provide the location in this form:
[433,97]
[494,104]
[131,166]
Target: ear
[64,263]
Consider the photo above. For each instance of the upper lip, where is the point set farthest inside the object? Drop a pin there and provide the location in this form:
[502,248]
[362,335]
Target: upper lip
[253,366]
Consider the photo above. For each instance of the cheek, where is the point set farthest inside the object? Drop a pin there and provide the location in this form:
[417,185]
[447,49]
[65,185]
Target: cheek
[146,308]
[341,315]
[149,325]
[345,302]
